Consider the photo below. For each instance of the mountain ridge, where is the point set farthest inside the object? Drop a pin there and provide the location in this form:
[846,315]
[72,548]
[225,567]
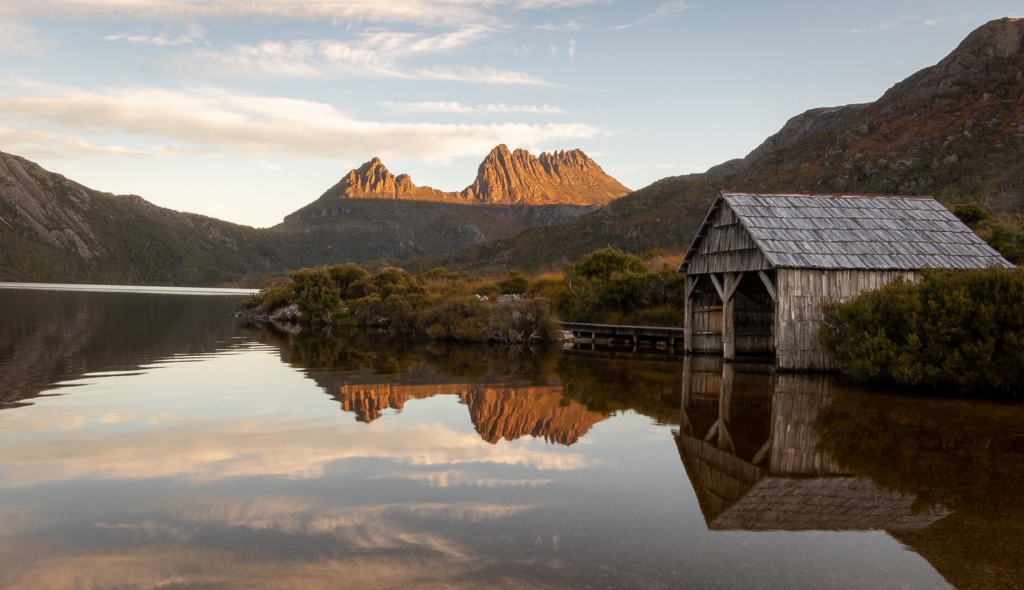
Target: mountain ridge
[504,177]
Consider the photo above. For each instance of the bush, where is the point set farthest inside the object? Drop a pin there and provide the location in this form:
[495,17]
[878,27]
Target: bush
[961,331]
[609,286]
[516,283]
[464,319]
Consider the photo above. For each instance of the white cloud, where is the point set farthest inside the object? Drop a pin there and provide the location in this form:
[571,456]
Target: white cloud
[480,76]
[20,39]
[879,28]
[214,120]
[669,166]
[166,37]
[462,109]
[375,54]
[407,11]
[664,9]
[572,48]
[575,24]
[554,49]
[295,449]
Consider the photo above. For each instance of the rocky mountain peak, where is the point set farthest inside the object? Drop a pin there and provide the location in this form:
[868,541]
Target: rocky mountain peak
[506,177]
[991,55]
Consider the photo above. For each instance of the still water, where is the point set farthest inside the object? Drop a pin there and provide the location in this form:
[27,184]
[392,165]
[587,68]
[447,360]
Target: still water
[152,440]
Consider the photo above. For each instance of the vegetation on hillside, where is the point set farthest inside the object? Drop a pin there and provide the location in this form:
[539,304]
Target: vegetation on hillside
[606,286]
[438,303]
[1007,238]
[958,331]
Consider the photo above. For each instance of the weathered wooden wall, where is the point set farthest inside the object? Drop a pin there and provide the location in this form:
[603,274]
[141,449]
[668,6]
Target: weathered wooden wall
[795,406]
[706,322]
[754,311]
[727,247]
[799,316]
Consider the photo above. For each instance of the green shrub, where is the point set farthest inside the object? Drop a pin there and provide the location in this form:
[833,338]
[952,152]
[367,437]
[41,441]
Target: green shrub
[516,283]
[961,331]
[608,286]
[464,319]
[319,297]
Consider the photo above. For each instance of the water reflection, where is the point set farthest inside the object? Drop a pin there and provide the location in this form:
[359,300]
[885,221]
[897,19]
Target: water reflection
[48,337]
[175,448]
[510,392]
[768,452]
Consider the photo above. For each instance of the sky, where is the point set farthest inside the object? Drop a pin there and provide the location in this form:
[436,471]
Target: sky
[246,110]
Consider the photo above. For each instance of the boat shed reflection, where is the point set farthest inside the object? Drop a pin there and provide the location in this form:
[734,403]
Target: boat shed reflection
[748,444]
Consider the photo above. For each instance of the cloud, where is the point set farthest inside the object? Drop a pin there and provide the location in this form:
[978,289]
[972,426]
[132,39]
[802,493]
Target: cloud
[480,76]
[572,48]
[245,448]
[455,477]
[554,49]
[19,39]
[405,11]
[214,120]
[666,166]
[665,9]
[374,54]
[462,109]
[575,24]
[879,28]
[192,33]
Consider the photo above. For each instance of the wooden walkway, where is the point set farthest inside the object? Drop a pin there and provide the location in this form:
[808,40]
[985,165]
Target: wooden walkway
[634,334]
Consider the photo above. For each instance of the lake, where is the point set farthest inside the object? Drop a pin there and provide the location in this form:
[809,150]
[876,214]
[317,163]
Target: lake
[153,440]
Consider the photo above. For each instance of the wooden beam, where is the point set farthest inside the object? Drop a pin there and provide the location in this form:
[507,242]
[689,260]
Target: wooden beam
[718,287]
[732,288]
[768,285]
[691,284]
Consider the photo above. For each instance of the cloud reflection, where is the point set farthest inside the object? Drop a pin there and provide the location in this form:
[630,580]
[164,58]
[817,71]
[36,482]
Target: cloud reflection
[241,448]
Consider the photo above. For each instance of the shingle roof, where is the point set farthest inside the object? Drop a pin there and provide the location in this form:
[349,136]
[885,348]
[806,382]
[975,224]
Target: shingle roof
[824,504]
[860,232]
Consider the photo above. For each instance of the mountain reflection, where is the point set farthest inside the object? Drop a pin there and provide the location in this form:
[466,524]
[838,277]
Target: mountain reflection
[510,392]
[47,337]
[945,477]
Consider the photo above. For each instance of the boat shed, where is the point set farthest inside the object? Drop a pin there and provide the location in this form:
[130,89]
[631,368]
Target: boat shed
[761,265]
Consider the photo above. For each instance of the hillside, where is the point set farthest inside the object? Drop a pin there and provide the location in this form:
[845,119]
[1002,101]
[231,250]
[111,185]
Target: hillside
[55,230]
[954,130]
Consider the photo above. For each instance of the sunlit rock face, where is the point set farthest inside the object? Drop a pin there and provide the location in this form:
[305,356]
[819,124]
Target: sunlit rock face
[498,413]
[505,177]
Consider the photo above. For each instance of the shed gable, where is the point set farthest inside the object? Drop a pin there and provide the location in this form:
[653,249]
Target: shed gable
[726,246]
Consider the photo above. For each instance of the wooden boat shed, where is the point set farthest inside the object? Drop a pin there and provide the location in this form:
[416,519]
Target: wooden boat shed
[761,264]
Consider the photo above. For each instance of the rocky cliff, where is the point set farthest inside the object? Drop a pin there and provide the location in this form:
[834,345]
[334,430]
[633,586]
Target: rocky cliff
[498,413]
[504,178]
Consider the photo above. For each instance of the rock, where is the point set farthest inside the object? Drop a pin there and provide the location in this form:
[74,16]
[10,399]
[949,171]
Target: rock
[504,178]
[289,314]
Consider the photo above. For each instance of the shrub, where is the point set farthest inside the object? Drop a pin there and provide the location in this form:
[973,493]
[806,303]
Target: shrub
[961,331]
[319,297]
[516,283]
[460,319]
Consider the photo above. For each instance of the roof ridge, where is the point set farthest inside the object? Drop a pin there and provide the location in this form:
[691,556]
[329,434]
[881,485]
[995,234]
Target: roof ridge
[829,195]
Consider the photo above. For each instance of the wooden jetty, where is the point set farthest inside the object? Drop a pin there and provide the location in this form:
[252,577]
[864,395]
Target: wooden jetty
[628,335]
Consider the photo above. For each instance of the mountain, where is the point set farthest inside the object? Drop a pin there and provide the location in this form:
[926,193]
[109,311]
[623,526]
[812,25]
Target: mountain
[954,130]
[53,229]
[503,178]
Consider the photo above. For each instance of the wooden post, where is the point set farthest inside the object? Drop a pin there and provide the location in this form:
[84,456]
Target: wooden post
[688,315]
[728,319]
[684,418]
